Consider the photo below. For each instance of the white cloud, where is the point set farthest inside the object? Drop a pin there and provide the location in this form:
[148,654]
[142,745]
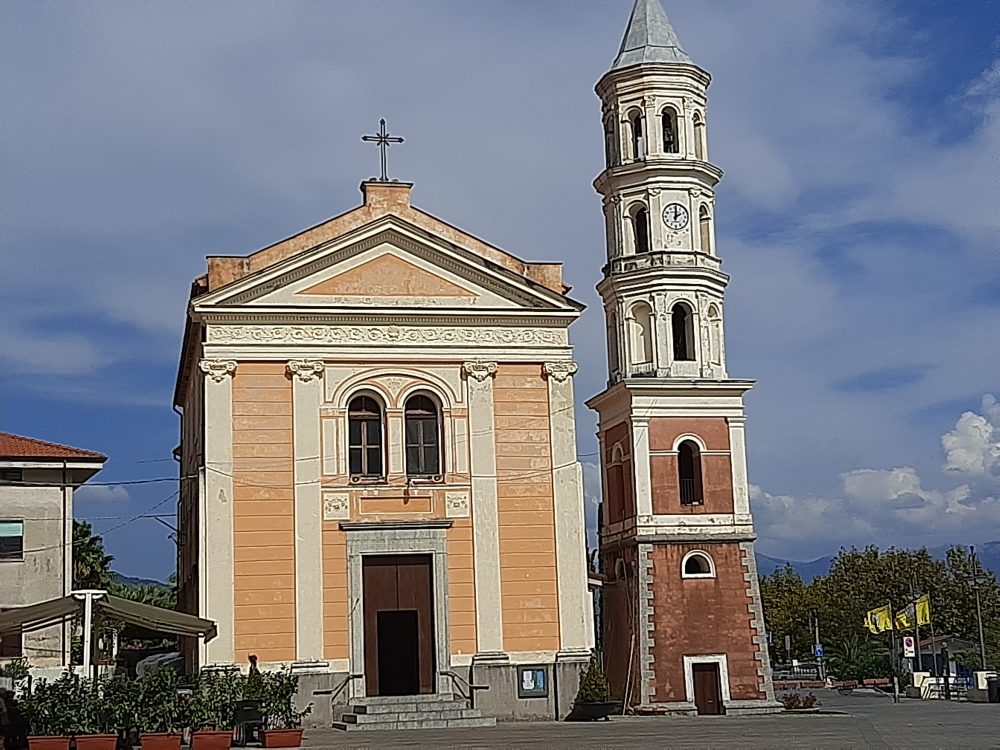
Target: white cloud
[592,494]
[974,445]
[101,493]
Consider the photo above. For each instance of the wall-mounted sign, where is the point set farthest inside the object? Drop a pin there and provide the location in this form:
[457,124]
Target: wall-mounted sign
[532,682]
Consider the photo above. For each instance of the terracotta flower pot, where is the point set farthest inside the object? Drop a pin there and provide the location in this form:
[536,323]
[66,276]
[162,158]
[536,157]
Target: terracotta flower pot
[160,741]
[211,739]
[96,741]
[45,742]
[282,737]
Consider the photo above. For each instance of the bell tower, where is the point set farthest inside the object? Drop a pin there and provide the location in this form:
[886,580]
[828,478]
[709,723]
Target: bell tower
[682,618]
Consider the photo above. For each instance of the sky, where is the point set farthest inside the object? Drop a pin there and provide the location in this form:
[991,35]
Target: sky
[859,219]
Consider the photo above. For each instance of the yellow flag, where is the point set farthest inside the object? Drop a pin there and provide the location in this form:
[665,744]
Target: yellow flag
[879,619]
[924,610]
[905,618]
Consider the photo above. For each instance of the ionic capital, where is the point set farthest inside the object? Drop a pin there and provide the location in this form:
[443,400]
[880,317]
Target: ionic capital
[217,369]
[306,369]
[559,371]
[479,370]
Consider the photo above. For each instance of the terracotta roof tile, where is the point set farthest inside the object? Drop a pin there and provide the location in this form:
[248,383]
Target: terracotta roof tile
[18,446]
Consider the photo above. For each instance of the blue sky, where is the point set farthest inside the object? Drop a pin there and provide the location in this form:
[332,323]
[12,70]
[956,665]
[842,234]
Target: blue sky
[858,219]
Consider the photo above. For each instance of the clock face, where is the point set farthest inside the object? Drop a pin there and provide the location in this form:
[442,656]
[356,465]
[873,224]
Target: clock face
[675,216]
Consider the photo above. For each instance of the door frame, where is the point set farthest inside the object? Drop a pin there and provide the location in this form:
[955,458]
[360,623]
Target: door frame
[397,538]
[723,663]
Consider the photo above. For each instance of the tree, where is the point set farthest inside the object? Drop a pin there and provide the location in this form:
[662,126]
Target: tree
[787,602]
[858,658]
[91,566]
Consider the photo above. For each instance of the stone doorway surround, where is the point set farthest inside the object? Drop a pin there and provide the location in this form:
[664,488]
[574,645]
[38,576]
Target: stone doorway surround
[397,538]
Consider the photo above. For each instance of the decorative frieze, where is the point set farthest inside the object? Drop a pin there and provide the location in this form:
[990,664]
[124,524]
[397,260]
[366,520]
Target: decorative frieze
[391,334]
[336,506]
[559,371]
[217,369]
[305,369]
[456,505]
[479,370]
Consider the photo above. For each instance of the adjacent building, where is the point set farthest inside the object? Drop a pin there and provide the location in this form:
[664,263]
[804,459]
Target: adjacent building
[683,625]
[37,480]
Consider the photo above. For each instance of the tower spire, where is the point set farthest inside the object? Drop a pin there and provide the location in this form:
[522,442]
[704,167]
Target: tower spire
[649,38]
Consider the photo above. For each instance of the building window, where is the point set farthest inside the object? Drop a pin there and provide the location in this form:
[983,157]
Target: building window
[714,335]
[689,471]
[682,327]
[697,564]
[642,334]
[11,540]
[423,442]
[699,137]
[11,645]
[638,136]
[11,475]
[364,417]
[705,230]
[640,230]
[610,151]
[670,143]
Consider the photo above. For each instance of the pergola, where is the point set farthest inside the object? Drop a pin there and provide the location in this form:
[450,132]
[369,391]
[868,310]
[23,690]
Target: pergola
[85,602]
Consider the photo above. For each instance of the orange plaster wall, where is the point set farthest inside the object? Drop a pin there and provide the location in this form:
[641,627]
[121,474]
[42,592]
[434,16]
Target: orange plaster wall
[461,587]
[529,594]
[263,513]
[716,471]
[335,605]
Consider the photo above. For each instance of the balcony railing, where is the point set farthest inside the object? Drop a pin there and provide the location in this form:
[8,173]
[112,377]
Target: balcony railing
[661,259]
[642,370]
[689,492]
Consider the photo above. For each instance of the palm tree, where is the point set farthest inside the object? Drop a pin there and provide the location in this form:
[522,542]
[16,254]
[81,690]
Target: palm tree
[858,659]
[91,567]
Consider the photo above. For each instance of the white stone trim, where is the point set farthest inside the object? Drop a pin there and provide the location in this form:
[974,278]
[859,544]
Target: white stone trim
[216,571]
[396,335]
[639,429]
[738,449]
[307,395]
[485,518]
[699,553]
[702,448]
[575,603]
[719,659]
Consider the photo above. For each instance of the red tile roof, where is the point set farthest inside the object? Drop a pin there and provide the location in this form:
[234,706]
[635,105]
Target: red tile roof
[20,447]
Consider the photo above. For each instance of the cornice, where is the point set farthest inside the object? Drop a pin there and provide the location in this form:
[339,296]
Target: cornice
[284,315]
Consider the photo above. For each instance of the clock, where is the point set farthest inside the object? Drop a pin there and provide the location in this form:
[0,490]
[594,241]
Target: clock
[675,216]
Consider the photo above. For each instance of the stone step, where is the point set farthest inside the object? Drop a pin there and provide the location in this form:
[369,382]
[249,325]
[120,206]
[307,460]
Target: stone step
[385,700]
[419,715]
[427,707]
[389,726]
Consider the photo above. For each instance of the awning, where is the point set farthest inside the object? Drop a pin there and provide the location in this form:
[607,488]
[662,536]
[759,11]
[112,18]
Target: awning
[54,611]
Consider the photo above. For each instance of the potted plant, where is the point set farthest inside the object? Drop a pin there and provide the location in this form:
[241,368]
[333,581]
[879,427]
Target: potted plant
[54,711]
[120,706]
[282,721]
[593,699]
[95,714]
[159,716]
[210,711]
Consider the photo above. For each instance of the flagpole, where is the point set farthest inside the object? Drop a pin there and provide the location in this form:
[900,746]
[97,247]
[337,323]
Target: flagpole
[895,656]
[916,621]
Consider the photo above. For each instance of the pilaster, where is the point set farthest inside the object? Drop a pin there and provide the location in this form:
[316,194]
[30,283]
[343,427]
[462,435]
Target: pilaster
[738,456]
[307,395]
[216,543]
[575,631]
[639,427]
[485,517]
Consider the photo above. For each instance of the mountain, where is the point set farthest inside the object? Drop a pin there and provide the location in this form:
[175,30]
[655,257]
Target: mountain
[129,581]
[989,557]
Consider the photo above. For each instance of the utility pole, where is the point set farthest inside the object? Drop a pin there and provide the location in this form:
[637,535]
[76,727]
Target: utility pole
[975,579]
[916,621]
[819,644]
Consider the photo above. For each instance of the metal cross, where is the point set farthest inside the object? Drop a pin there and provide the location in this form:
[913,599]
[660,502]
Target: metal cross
[383,140]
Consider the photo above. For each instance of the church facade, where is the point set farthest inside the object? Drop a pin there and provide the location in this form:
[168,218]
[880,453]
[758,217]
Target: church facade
[384,494]
[683,625]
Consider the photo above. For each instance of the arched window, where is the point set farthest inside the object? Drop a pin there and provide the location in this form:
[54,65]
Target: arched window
[642,334]
[609,144]
[682,327]
[697,564]
[671,144]
[699,136]
[714,335]
[616,485]
[423,443]
[638,135]
[705,228]
[364,417]
[640,230]
[689,472]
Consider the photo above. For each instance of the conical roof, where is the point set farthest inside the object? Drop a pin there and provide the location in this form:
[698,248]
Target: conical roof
[649,38]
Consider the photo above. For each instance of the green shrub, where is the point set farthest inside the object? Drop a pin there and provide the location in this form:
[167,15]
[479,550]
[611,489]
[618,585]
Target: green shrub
[57,708]
[277,695]
[593,685]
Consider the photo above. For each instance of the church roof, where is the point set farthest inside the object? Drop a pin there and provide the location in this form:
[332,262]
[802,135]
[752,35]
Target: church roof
[649,38]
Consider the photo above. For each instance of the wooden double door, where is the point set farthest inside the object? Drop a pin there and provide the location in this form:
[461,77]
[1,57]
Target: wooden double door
[399,624]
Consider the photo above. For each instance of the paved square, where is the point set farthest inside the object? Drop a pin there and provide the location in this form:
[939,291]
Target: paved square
[862,722]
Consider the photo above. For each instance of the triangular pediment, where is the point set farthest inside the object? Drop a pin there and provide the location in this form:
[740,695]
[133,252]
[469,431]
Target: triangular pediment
[388,275]
[387,264]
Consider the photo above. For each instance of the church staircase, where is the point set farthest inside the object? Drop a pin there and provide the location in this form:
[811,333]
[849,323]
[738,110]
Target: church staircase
[438,711]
